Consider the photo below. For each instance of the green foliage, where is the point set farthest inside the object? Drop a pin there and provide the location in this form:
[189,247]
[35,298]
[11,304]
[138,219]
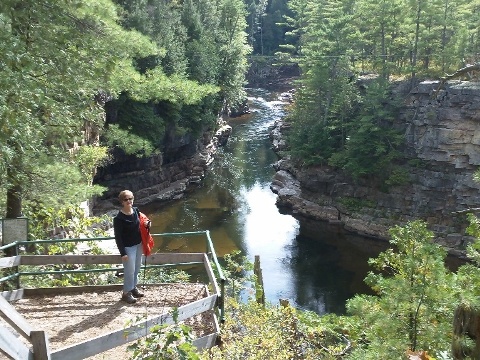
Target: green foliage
[155,86]
[142,121]
[204,43]
[266,25]
[414,297]
[63,60]
[79,224]
[72,222]
[371,142]
[61,182]
[476,176]
[56,56]
[319,116]
[326,96]
[43,222]
[252,331]
[197,118]
[166,342]
[233,51]
[131,144]
[163,25]
[474,230]
[88,158]
[398,176]
[236,268]
[137,128]
[355,204]
[339,39]
[468,276]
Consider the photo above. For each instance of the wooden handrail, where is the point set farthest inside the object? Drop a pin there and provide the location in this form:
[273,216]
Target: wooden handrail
[38,338]
[15,348]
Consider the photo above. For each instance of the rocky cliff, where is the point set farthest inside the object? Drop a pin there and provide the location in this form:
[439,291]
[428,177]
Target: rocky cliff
[161,177]
[266,72]
[442,138]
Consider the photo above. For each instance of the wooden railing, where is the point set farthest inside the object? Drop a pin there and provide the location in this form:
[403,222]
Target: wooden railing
[39,350]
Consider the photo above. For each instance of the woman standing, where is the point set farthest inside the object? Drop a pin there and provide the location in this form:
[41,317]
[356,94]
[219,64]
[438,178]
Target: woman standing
[126,226]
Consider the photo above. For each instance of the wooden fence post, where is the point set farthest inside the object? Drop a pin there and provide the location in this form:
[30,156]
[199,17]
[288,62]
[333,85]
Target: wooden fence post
[40,345]
[259,289]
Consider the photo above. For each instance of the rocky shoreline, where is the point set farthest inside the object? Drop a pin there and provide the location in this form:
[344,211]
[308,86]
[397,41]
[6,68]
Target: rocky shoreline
[441,129]
[157,179]
[182,163]
[442,132]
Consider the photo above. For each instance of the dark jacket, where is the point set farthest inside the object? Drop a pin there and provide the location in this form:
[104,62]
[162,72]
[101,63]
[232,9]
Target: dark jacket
[127,230]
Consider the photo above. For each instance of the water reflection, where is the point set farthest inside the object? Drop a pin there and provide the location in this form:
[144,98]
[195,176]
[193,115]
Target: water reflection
[316,266]
[339,260]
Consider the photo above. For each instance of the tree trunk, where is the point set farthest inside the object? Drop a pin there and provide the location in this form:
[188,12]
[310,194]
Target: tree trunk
[14,202]
[466,326]
[417,37]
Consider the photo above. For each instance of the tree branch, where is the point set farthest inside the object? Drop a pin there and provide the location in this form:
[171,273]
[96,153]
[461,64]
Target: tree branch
[465,70]
[462,71]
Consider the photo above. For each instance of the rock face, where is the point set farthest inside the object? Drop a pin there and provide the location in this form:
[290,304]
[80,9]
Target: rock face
[161,177]
[442,133]
[265,72]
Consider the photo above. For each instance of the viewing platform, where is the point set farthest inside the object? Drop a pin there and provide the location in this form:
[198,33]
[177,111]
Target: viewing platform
[90,322]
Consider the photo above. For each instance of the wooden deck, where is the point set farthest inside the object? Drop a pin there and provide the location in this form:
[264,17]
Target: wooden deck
[91,322]
[71,318]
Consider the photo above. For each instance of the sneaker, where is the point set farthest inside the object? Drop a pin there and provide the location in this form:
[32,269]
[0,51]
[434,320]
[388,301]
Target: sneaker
[128,298]
[136,293]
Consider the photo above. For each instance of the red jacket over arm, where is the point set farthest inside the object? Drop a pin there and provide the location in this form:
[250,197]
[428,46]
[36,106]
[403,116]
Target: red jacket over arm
[147,240]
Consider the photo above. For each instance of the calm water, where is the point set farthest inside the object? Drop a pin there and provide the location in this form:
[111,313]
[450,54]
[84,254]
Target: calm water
[315,265]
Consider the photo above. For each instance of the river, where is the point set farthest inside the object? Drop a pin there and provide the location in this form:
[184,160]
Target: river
[316,266]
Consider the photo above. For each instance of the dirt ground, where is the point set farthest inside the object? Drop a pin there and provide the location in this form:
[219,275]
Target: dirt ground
[73,318]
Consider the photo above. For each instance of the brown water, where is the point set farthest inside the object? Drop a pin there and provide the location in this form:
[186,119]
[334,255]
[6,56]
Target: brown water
[315,265]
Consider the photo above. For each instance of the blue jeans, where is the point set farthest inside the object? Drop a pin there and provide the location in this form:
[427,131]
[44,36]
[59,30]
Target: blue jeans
[131,267]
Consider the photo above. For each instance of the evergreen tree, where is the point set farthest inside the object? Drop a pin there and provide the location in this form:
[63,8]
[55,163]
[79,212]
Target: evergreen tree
[337,40]
[296,20]
[55,58]
[414,307]
[468,30]
[380,23]
[256,10]
[267,33]
[372,143]
[327,94]
[233,50]
[161,22]
[61,62]
[198,39]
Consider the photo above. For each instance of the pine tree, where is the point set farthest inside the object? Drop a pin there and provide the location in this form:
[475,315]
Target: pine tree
[414,307]
[62,60]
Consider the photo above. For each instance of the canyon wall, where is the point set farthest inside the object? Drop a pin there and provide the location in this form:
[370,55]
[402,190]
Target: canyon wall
[265,72]
[162,177]
[442,136]
[184,159]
